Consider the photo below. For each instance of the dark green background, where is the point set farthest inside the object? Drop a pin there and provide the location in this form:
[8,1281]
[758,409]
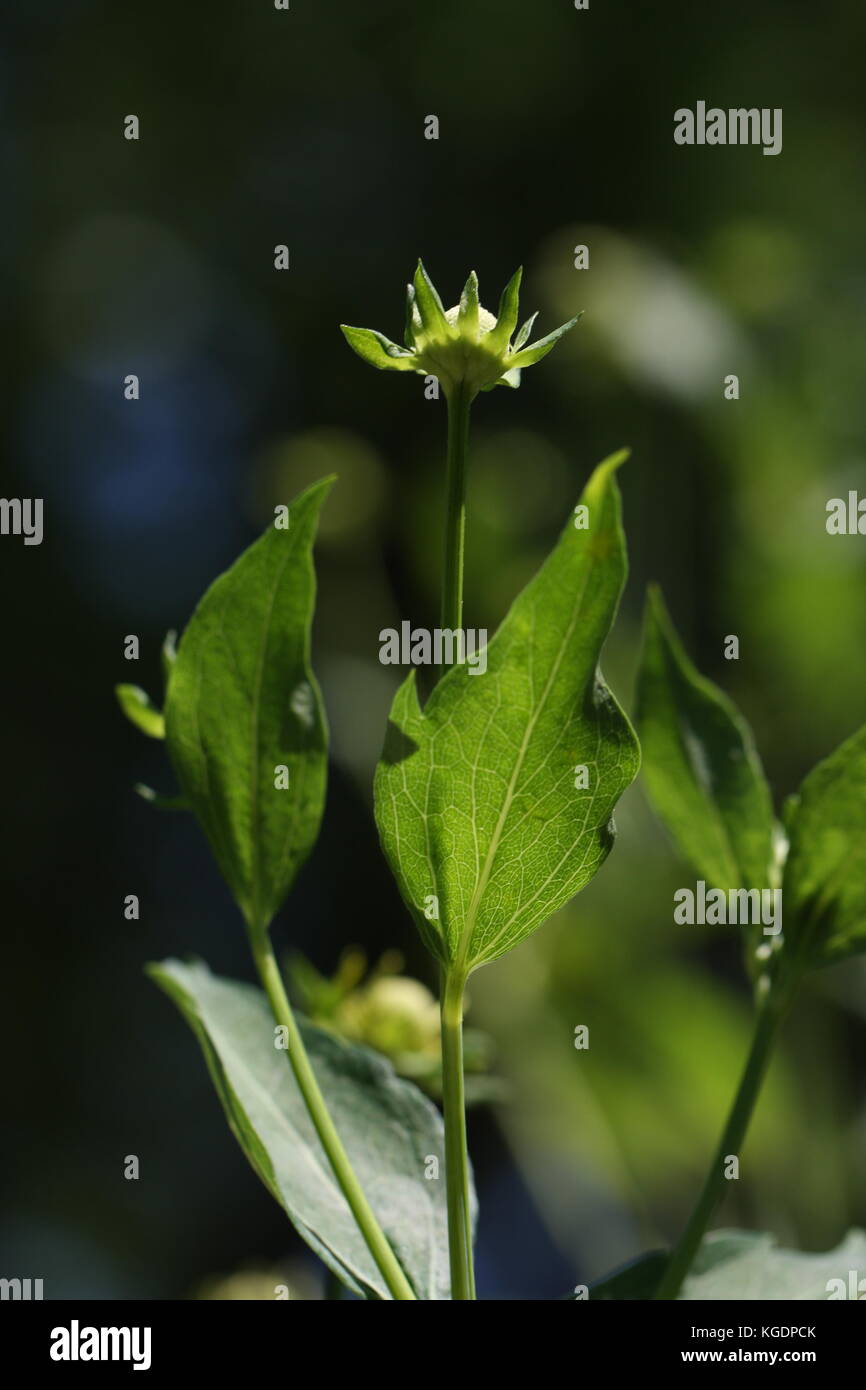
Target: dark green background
[306,128]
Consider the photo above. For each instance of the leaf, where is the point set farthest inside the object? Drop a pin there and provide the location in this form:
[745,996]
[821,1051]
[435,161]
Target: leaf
[242,702]
[745,1265]
[468,309]
[390,1130]
[524,332]
[475,797]
[506,315]
[411,319]
[510,378]
[140,710]
[700,764]
[739,1265]
[429,305]
[534,353]
[824,887]
[378,350]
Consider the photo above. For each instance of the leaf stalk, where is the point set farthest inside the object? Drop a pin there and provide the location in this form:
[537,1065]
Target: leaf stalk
[377,1243]
[456,1151]
[767,1023]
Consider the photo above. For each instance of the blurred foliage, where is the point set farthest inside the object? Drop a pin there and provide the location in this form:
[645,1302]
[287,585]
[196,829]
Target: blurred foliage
[261,127]
[255,1284]
[393,1014]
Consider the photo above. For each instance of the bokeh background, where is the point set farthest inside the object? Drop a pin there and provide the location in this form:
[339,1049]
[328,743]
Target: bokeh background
[155,257]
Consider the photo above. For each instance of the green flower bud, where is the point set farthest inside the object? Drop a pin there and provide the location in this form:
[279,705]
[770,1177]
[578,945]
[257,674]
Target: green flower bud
[465,346]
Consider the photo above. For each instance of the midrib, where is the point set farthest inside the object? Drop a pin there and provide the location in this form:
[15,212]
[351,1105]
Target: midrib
[481,886]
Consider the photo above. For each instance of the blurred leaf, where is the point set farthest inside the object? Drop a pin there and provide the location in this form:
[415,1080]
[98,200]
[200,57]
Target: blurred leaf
[243,702]
[389,1130]
[700,764]
[140,710]
[825,873]
[743,1265]
[476,797]
[740,1265]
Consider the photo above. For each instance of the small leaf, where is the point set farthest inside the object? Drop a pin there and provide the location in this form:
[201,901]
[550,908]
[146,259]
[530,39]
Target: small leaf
[390,1131]
[524,332]
[742,1266]
[244,722]
[536,351]
[378,350]
[824,887]
[506,318]
[510,378]
[429,305]
[494,804]
[700,764]
[140,710]
[411,320]
[468,314]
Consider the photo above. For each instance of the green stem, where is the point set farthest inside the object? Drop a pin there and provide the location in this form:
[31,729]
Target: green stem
[459,401]
[377,1244]
[733,1135]
[456,1153]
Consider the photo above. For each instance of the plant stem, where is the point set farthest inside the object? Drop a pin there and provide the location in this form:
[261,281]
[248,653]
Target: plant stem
[459,401]
[456,1153]
[733,1135]
[453,984]
[384,1257]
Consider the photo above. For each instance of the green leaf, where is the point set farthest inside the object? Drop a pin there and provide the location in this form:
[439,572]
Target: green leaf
[739,1265]
[140,710]
[412,319]
[824,887]
[534,353]
[510,378]
[389,1129]
[378,350]
[700,764]
[243,702]
[524,332]
[429,305]
[506,318]
[476,799]
[468,314]
[735,1265]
